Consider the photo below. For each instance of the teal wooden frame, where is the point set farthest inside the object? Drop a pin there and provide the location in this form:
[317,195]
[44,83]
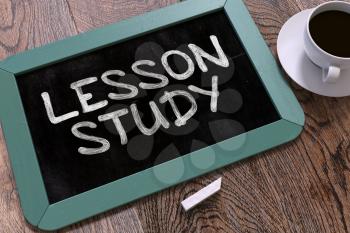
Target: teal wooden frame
[29,182]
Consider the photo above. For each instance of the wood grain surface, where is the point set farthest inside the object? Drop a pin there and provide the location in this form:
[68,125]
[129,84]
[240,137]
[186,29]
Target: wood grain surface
[303,186]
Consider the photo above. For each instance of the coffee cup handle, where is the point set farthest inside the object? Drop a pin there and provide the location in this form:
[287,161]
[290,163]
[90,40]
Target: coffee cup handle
[331,74]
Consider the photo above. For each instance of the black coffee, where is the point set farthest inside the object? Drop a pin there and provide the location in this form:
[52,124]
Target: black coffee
[331,32]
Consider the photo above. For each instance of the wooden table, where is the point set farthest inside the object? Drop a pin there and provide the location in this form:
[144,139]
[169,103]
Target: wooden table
[303,186]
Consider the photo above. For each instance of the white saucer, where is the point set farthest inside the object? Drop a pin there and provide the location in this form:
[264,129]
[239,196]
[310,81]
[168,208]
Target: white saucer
[290,49]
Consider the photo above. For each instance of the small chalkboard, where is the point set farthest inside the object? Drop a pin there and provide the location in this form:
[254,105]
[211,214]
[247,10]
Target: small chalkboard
[106,117]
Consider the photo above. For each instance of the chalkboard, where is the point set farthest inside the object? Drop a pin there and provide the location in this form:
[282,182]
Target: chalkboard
[105,114]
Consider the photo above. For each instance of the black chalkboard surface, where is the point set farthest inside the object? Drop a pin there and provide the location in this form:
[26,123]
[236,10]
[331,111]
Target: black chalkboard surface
[242,105]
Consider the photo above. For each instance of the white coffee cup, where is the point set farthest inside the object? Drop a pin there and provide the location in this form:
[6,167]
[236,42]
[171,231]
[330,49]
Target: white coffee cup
[331,65]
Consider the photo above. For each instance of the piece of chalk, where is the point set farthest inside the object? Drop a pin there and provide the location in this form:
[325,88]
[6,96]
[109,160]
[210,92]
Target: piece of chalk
[201,195]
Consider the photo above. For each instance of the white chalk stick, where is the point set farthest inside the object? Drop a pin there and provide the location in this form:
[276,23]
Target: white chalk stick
[201,195]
